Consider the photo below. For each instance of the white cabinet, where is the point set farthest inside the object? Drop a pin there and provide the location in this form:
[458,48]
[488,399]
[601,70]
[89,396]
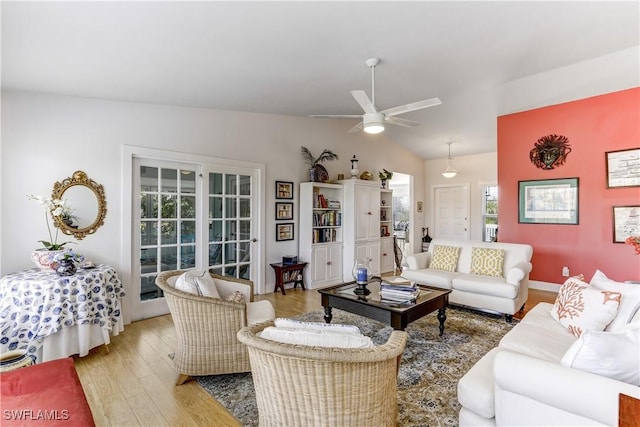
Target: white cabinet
[321,233]
[387,256]
[361,225]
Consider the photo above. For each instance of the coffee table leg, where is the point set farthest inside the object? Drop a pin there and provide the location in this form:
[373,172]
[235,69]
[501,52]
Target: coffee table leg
[327,314]
[442,317]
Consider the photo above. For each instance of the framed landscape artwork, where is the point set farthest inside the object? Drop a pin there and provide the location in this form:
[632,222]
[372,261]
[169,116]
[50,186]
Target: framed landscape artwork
[548,201]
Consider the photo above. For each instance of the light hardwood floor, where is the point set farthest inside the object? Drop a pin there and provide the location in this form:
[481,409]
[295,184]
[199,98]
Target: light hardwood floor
[134,383]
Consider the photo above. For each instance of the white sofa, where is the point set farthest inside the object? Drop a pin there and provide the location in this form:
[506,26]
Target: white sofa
[523,382]
[505,294]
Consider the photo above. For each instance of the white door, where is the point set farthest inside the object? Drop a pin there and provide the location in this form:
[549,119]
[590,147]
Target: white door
[451,212]
[190,216]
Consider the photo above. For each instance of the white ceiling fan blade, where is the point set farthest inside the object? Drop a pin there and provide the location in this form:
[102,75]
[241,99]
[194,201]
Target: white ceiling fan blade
[362,99]
[356,128]
[402,122]
[337,116]
[412,107]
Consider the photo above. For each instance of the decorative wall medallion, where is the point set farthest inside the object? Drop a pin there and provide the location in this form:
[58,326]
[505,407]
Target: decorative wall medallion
[550,151]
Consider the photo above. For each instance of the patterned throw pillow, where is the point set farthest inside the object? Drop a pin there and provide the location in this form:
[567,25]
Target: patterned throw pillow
[236,296]
[445,258]
[580,307]
[487,262]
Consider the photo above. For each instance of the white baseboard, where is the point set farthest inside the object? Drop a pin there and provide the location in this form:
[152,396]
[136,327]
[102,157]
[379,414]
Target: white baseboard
[544,286]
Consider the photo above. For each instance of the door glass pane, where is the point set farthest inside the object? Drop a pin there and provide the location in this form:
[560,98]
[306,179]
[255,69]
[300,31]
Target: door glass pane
[148,206]
[244,271]
[215,254]
[231,184]
[229,253]
[215,207]
[230,208]
[245,208]
[245,230]
[169,235]
[169,181]
[245,185]
[187,182]
[215,231]
[148,260]
[187,207]
[169,258]
[230,230]
[148,178]
[188,232]
[187,256]
[244,251]
[215,183]
[168,208]
[148,233]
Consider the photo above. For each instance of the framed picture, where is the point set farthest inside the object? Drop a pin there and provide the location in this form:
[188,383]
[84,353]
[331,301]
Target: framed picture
[623,168]
[384,230]
[284,190]
[548,201]
[626,222]
[284,231]
[284,210]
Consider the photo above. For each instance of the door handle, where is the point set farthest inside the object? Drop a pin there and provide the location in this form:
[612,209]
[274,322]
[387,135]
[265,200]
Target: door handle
[254,240]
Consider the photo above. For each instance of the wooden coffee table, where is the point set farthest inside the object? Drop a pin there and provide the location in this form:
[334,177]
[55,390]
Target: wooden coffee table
[395,314]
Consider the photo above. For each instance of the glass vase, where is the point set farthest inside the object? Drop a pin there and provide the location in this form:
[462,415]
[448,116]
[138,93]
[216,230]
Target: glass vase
[362,275]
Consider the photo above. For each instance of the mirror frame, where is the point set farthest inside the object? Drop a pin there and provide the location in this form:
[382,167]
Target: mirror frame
[80,178]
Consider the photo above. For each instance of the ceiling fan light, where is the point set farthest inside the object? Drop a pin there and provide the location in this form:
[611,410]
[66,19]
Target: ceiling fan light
[373,122]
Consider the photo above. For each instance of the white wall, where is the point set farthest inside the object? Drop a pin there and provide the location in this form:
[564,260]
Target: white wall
[45,138]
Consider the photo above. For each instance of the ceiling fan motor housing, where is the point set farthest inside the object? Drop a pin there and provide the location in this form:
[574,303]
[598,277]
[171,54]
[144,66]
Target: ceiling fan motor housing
[373,122]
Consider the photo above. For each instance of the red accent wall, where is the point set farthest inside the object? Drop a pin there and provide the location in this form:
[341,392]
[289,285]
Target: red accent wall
[593,126]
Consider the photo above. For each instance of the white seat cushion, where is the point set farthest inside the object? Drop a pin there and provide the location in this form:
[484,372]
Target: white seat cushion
[315,338]
[431,277]
[538,341]
[476,387]
[485,285]
[337,328]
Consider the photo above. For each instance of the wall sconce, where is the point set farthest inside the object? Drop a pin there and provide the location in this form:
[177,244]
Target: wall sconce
[450,172]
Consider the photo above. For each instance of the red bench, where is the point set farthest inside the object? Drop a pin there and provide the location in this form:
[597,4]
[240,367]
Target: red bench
[47,394]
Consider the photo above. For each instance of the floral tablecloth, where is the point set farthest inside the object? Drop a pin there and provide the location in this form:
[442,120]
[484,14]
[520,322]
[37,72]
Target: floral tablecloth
[36,303]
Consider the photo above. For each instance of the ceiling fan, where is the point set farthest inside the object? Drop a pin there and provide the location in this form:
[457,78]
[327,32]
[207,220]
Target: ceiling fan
[373,121]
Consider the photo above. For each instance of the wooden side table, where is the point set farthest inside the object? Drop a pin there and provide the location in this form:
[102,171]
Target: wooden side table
[287,274]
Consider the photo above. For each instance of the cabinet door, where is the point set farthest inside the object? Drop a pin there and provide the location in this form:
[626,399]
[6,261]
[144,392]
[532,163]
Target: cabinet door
[367,208]
[334,264]
[387,256]
[319,260]
[374,256]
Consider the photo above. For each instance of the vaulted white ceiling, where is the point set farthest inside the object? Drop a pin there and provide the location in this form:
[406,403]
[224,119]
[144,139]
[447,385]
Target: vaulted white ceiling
[301,58]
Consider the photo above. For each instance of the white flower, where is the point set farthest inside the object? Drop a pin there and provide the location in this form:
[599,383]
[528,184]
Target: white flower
[55,207]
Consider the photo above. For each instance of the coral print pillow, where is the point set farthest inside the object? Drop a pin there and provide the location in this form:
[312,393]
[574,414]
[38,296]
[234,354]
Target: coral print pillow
[580,307]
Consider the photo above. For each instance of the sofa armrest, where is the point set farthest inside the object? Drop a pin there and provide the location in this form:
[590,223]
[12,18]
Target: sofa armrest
[419,260]
[518,272]
[567,389]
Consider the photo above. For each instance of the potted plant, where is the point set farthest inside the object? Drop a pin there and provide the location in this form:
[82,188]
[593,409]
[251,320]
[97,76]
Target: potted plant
[317,172]
[385,176]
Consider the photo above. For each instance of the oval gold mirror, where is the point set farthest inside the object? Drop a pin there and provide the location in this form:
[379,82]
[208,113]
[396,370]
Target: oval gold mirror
[87,204]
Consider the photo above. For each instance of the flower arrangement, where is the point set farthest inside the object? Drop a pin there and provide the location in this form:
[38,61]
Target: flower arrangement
[55,207]
[385,175]
[68,255]
[635,242]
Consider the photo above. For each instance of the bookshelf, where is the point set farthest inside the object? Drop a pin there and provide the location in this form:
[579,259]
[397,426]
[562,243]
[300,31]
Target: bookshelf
[320,241]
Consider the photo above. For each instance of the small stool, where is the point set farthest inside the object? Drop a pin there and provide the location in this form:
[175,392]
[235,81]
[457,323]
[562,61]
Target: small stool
[290,273]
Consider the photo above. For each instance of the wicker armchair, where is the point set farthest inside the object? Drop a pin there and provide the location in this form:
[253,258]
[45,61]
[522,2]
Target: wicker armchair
[206,327]
[314,386]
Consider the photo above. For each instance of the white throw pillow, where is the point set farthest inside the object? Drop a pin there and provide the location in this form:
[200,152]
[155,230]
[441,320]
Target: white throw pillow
[610,354]
[580,307]
[187,283]
[629,303]
[281,322]
[197,283]
[315,338]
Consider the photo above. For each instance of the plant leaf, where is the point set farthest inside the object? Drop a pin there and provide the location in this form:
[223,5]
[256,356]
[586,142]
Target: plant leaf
[308,157]
[327,155]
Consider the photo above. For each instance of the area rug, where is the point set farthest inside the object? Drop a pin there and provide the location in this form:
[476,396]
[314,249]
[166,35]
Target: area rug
[429,372]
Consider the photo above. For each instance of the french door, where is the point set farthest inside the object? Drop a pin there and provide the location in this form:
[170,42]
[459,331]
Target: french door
[191,216]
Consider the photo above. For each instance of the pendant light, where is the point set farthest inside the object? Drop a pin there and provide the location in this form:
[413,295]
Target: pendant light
[450,172]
